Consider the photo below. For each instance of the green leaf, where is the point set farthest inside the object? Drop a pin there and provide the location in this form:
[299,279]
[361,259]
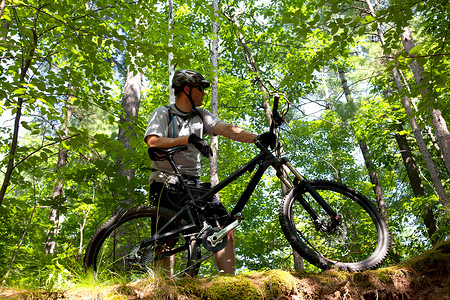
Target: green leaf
[416,49]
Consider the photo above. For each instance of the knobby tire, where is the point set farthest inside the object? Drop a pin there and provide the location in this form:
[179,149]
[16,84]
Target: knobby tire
[359,243]
[109,249]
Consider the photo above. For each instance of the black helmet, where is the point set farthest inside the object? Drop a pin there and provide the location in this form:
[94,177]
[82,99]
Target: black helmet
[183,77]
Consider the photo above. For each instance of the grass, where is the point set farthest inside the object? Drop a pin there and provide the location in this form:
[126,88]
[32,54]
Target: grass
[406,278]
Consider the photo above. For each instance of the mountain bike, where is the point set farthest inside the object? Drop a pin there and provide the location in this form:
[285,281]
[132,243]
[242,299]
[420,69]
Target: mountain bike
[327,223]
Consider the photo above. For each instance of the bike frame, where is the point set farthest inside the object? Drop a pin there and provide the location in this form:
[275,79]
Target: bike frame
[263,161]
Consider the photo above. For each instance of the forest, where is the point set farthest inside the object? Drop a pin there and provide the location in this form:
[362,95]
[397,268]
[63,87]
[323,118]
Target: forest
[366,84]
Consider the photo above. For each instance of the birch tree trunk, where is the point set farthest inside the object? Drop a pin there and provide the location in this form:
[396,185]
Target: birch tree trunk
[2,7]
[171,66]
[214,178]
[443,199]
[439,124]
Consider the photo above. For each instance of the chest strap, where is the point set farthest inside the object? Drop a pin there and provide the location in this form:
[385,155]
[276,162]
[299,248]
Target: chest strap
[171,119]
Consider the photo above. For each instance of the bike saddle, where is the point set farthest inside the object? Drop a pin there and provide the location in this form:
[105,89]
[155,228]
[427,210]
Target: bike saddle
[164,153]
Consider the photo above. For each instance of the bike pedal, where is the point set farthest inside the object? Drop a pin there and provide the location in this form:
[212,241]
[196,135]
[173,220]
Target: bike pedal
[239,217]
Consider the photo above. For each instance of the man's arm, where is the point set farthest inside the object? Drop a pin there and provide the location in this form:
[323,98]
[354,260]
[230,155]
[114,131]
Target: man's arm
[234,132]
[165,142]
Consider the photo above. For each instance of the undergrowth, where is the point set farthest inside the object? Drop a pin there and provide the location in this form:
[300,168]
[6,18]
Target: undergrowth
[408,277]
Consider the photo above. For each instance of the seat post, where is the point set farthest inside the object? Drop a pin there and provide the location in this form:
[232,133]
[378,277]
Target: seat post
[178,174]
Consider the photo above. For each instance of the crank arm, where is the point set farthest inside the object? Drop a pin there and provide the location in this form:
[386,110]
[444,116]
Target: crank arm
[215,238]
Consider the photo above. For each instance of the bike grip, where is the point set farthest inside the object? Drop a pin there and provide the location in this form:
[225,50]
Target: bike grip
[276,99]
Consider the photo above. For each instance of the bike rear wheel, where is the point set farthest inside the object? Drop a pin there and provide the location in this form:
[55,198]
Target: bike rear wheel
[360,242]
[115,248]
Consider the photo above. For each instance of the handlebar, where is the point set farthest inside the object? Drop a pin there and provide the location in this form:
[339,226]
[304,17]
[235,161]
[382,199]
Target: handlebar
[269,138]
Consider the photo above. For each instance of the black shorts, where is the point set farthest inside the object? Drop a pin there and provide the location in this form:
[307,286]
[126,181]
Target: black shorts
[171,196]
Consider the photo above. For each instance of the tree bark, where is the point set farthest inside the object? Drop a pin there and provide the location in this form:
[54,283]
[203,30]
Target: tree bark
[442,135]
[298,261]
[171,66]
[50,243]
[373,176]
[439,124]
[213,169]
[130,103]
[377,189]
[2,7]
[443,199]
[421,143]
[409,163]
[414,177]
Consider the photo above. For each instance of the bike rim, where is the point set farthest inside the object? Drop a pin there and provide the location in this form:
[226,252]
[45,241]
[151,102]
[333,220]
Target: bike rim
[115,256]
[354,243]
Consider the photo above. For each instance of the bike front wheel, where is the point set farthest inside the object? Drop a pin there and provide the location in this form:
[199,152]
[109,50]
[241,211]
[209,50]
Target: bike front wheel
[116,248]
[359,242]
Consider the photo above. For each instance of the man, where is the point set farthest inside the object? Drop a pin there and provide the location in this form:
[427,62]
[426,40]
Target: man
[185,123]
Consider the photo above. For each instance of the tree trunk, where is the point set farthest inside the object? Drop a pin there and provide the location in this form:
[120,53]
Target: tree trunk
[171,66]
[442,135]
[378,190]
[12,151]
[439,124]
[298,262]
[415,127]
[337,174]
[2,7]
[50,243]
[415,181]
[414,177]
[130,103]
[421,143]
[213,174]
[409,163]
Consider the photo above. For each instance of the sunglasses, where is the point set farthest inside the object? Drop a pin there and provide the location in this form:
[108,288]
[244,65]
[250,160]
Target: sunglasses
[200,87]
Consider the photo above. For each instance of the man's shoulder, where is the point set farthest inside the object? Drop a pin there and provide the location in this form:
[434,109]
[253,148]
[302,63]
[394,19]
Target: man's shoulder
[164,109]
[204,111]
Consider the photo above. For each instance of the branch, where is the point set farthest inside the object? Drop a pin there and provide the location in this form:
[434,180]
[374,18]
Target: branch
[42,147]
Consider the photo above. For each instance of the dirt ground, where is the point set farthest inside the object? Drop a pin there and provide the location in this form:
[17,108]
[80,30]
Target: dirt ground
[424,277]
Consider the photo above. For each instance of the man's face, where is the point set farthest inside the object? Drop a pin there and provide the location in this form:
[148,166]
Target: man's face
[197,94]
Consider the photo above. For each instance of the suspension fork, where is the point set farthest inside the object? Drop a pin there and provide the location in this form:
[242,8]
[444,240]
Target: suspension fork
[308,187]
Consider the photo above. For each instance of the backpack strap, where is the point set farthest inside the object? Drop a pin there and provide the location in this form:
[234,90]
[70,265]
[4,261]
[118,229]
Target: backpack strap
[171,119]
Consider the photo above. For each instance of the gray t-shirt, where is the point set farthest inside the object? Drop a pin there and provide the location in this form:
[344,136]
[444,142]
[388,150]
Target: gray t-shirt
[181,124]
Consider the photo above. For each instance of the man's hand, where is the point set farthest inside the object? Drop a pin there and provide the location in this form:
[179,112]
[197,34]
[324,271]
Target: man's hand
[200,144]
[267,139]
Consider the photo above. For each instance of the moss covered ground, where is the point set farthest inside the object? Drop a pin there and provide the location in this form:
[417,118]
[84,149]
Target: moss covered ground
[423,277]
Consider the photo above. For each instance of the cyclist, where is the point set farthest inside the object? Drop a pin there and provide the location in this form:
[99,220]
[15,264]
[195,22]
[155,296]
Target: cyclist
[185,123]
